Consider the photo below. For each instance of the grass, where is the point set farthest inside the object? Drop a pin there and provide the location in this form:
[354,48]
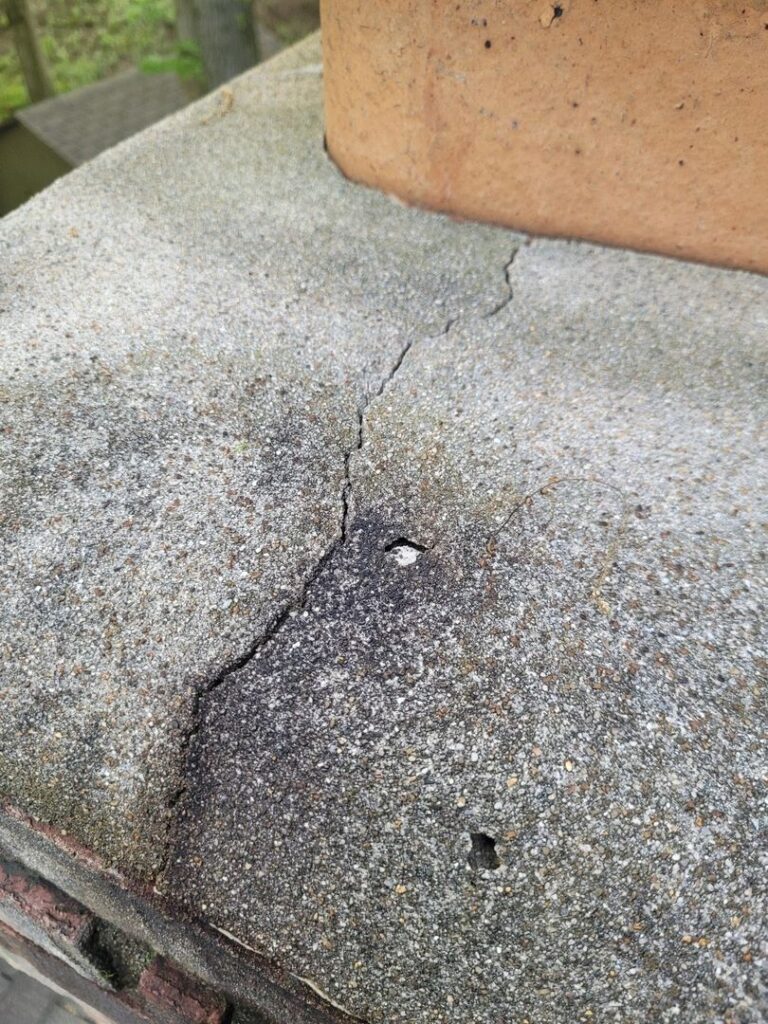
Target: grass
[85,40]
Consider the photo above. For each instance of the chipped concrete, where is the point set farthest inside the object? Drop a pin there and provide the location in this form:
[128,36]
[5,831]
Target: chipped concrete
[483,738]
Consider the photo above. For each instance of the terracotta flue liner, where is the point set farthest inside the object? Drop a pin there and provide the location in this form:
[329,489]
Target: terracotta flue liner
[641,123]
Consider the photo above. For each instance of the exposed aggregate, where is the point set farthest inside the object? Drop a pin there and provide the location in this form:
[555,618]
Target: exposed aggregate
[504,761]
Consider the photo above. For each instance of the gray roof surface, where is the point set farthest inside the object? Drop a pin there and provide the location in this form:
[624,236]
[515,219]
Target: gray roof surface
[81,124]
[439,554]
[23,1000]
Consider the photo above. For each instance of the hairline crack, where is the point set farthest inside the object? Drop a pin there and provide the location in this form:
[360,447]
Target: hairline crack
[296,604]
[507,299]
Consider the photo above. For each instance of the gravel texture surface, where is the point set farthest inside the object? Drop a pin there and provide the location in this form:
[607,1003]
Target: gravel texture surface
[188,327]
[439,554]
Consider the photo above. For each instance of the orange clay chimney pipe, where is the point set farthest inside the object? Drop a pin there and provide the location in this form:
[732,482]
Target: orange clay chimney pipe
[640,123]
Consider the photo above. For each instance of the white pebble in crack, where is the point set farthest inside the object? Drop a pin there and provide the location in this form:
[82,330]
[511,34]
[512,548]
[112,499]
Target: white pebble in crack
[405,552]
[405,555]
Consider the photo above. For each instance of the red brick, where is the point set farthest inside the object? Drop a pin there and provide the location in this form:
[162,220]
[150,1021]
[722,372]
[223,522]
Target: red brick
[53,911]
[178,996]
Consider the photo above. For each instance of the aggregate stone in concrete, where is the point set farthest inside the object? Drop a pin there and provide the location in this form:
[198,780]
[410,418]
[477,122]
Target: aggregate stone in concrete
[487,551]
[188,327]
[508,761]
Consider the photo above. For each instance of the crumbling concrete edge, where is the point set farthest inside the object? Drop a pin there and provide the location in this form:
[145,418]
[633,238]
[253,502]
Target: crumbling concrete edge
[247,981]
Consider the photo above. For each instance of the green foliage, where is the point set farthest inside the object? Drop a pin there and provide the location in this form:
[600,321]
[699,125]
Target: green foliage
[149,12]
[85,40]
[186,61]
[12,94]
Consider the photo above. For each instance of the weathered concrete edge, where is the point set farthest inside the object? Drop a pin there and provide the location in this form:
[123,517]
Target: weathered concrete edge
[217,960]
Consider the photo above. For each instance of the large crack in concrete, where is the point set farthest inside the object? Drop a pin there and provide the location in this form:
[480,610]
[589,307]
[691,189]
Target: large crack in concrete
[508,279]
[298,603]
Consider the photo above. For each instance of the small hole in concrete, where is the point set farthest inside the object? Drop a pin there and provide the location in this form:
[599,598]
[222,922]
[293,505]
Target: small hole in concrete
[488,44]
[483,856]
[404,551]
[558,12]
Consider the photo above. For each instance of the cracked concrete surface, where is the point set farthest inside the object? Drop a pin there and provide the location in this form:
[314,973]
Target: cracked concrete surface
[187,334]
[571,672]
[202,692]
[480,733]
